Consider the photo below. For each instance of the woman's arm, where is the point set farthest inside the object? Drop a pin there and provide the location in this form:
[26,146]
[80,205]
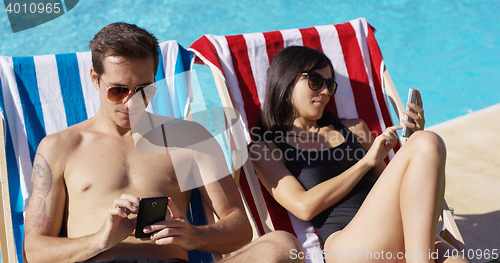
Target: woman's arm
[288,191]
[305,204]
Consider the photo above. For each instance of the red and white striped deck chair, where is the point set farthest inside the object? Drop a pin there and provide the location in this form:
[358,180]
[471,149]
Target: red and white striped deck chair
[240,62]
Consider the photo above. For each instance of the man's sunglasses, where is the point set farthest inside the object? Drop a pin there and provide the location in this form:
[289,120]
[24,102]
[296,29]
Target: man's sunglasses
[116,94]
[315,81]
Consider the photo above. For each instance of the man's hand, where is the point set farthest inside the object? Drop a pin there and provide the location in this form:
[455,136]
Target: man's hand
[118,226]
[177,230]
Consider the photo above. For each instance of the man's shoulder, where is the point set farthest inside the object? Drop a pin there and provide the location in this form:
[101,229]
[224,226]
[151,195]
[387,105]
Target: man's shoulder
[65,140]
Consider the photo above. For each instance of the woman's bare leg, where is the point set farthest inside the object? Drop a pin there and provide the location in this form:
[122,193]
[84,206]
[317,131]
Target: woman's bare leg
[422,195]
[399,216]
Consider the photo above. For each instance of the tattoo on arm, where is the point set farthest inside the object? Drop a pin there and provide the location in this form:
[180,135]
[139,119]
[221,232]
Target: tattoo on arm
[42,182]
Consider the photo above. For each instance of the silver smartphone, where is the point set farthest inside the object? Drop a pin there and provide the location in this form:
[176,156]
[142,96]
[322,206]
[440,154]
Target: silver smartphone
[412,98]
[151,210]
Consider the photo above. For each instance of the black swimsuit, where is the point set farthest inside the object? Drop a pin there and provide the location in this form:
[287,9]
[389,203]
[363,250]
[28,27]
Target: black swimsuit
[314,167]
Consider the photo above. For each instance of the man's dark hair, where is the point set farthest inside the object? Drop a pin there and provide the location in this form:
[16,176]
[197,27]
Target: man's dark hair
[125,40]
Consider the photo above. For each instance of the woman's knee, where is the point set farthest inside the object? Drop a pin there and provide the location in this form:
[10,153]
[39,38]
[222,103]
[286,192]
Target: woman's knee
[428,142]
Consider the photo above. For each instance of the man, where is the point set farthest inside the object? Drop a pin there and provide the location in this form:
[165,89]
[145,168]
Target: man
[89,177]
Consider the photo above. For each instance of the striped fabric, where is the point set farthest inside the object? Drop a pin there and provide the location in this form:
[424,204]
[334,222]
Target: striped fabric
[243,60]
[42,95]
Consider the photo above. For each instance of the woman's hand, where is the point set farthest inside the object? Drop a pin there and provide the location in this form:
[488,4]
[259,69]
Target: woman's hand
[382,145]
[418,115]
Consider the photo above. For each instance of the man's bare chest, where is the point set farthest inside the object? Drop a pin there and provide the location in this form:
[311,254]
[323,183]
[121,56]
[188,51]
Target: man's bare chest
[115,166]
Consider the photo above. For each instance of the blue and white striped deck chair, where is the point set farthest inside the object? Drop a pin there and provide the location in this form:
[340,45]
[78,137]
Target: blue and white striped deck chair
[42,95]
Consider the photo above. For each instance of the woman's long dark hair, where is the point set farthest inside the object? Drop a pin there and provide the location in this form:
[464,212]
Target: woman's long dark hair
[287,66]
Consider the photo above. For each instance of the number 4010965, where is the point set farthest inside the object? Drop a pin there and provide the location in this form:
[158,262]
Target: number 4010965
[34,8]
[473,253]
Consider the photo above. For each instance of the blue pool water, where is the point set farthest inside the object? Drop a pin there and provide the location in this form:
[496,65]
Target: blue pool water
[449,49]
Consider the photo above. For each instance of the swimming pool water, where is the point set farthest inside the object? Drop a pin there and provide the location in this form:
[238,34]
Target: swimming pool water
[449,49]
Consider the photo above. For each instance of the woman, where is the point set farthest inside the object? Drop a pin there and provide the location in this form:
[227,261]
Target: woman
[331,172]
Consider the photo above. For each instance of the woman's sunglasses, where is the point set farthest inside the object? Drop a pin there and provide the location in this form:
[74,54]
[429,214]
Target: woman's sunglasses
[116,94]
[315,81]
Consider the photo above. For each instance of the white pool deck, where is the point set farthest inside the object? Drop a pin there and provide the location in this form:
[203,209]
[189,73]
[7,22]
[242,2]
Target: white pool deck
[473,176]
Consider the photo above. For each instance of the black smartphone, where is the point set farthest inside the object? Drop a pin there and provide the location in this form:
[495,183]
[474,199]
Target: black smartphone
[412,98]
[151,210]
